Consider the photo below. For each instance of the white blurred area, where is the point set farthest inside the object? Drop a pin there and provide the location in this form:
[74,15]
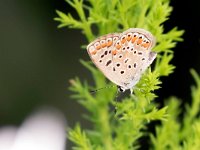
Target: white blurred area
[45,129]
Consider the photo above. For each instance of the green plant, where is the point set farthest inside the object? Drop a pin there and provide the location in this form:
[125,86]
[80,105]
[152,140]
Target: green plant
[123,129]
[184,133]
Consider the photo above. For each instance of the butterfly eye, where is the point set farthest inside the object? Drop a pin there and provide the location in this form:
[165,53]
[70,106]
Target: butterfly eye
[103,43]
[109,42]
[128,36]
[97,45]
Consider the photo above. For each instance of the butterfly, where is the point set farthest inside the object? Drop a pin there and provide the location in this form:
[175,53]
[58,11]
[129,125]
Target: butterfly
[123,57]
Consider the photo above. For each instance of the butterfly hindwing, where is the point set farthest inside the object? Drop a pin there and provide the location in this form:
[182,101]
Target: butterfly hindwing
[123,57]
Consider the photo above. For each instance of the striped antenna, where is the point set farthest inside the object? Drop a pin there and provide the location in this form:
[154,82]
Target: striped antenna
[106,87]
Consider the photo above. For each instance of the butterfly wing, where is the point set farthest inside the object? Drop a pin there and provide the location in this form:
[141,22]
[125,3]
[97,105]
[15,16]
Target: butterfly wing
[133,55]
[101,53]
[123,57]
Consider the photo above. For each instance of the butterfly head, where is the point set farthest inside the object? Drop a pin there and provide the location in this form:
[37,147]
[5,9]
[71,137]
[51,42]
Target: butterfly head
[121,89]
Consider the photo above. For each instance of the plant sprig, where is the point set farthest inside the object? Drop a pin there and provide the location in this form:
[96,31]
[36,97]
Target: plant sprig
[120,130]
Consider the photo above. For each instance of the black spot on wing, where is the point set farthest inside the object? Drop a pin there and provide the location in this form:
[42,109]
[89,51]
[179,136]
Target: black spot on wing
[108,62]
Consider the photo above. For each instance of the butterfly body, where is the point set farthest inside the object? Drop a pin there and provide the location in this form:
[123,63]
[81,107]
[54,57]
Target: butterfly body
[123,57]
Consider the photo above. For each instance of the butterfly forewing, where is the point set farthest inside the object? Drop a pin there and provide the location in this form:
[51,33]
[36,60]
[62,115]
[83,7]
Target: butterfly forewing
[101,53]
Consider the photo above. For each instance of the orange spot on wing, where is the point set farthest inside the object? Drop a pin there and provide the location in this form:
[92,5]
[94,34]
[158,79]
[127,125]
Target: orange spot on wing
[98,47]
[123,40]
[145,45]
[128,38]
[103,45]
[109,43]
[139,41]
[94,52]
[114,52]
[118,46]
[133,39]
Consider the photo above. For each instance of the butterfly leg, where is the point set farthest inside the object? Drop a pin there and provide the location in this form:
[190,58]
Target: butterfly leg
[131,91]
[133,95]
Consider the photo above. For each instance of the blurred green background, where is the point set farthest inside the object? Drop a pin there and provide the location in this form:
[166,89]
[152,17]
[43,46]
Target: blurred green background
[37,59]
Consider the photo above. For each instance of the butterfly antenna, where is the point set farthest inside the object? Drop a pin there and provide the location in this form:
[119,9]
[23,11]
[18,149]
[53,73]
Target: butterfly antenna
[106,87]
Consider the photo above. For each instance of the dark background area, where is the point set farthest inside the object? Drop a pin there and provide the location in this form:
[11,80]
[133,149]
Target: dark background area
[37,59]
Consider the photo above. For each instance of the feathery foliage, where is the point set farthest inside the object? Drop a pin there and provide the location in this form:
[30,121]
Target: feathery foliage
[123,129]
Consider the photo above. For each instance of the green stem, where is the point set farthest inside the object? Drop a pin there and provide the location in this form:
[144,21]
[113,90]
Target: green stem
[88,32]
[141,18]
[105,128]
